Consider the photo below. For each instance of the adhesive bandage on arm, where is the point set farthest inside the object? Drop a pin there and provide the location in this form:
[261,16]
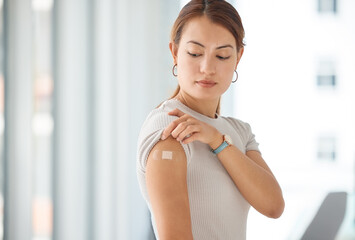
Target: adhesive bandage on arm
[167,155]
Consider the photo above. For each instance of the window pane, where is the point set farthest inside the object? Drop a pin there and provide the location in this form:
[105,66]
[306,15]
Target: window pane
[326,80]
[326,148]
[327,6]
[326,76]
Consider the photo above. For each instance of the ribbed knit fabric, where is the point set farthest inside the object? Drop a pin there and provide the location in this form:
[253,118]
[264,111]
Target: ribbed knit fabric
[218,210]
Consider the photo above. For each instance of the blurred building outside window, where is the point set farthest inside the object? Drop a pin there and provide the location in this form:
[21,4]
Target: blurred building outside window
[327,6]
[326,77]
[327,149]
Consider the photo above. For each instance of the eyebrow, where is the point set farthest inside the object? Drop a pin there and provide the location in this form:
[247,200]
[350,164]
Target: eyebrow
[223,46]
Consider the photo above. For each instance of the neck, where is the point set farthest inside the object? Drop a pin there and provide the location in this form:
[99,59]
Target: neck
[204,107]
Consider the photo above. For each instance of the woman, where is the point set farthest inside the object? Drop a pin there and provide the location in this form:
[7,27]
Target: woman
[199,172]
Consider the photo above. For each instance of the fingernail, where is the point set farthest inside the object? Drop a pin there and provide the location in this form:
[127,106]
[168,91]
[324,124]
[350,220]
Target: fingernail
[163,137]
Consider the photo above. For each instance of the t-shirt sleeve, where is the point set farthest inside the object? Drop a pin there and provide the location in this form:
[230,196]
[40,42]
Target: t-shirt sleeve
[150,135]
[251,143]
[246,134]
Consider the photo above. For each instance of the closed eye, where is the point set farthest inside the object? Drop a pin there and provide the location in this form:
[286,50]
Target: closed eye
[223,58]
[194,54]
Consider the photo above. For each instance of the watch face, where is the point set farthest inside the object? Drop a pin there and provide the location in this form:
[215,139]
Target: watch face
[228,139]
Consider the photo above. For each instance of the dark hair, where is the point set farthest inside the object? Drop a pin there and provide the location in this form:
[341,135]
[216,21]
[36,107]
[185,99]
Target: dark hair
[217,11]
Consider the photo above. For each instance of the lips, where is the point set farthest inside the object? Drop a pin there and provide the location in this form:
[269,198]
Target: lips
[206,83]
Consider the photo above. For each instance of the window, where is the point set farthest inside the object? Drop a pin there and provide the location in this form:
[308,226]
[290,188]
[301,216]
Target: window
[326,76]
[327,6]
[326,148]
[326,80]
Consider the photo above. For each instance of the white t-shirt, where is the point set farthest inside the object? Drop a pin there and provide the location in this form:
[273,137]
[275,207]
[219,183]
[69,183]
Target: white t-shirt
[218,210]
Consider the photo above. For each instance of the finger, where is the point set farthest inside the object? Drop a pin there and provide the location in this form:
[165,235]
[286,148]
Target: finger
[189,139]
[191,129]
[182,130]
[182,125]
[167,131]
[176,112]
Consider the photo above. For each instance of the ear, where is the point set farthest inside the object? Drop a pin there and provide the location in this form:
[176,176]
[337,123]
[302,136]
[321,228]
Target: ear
[239,56]
[173,49]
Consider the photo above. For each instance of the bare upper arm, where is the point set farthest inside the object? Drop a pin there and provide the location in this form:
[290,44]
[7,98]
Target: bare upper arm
[167,190]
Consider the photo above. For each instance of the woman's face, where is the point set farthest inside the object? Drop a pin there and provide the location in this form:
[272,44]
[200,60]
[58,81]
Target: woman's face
[206,59]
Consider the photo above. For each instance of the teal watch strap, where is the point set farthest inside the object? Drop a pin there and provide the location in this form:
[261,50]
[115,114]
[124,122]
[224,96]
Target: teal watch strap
[220,148]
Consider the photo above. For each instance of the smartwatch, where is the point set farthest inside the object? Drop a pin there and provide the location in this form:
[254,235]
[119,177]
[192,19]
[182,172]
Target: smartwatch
[227,141]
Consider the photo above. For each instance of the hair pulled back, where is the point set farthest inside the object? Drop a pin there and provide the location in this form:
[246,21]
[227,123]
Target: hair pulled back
[217,11]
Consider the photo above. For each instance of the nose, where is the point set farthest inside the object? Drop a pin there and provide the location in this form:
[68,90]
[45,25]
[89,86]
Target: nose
[208,66]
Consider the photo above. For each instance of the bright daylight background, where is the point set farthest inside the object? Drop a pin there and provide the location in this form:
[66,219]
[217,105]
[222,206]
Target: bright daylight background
[78,78]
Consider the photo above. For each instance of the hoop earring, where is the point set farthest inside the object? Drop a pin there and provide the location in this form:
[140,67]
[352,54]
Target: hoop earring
[236,77]
[174,67]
